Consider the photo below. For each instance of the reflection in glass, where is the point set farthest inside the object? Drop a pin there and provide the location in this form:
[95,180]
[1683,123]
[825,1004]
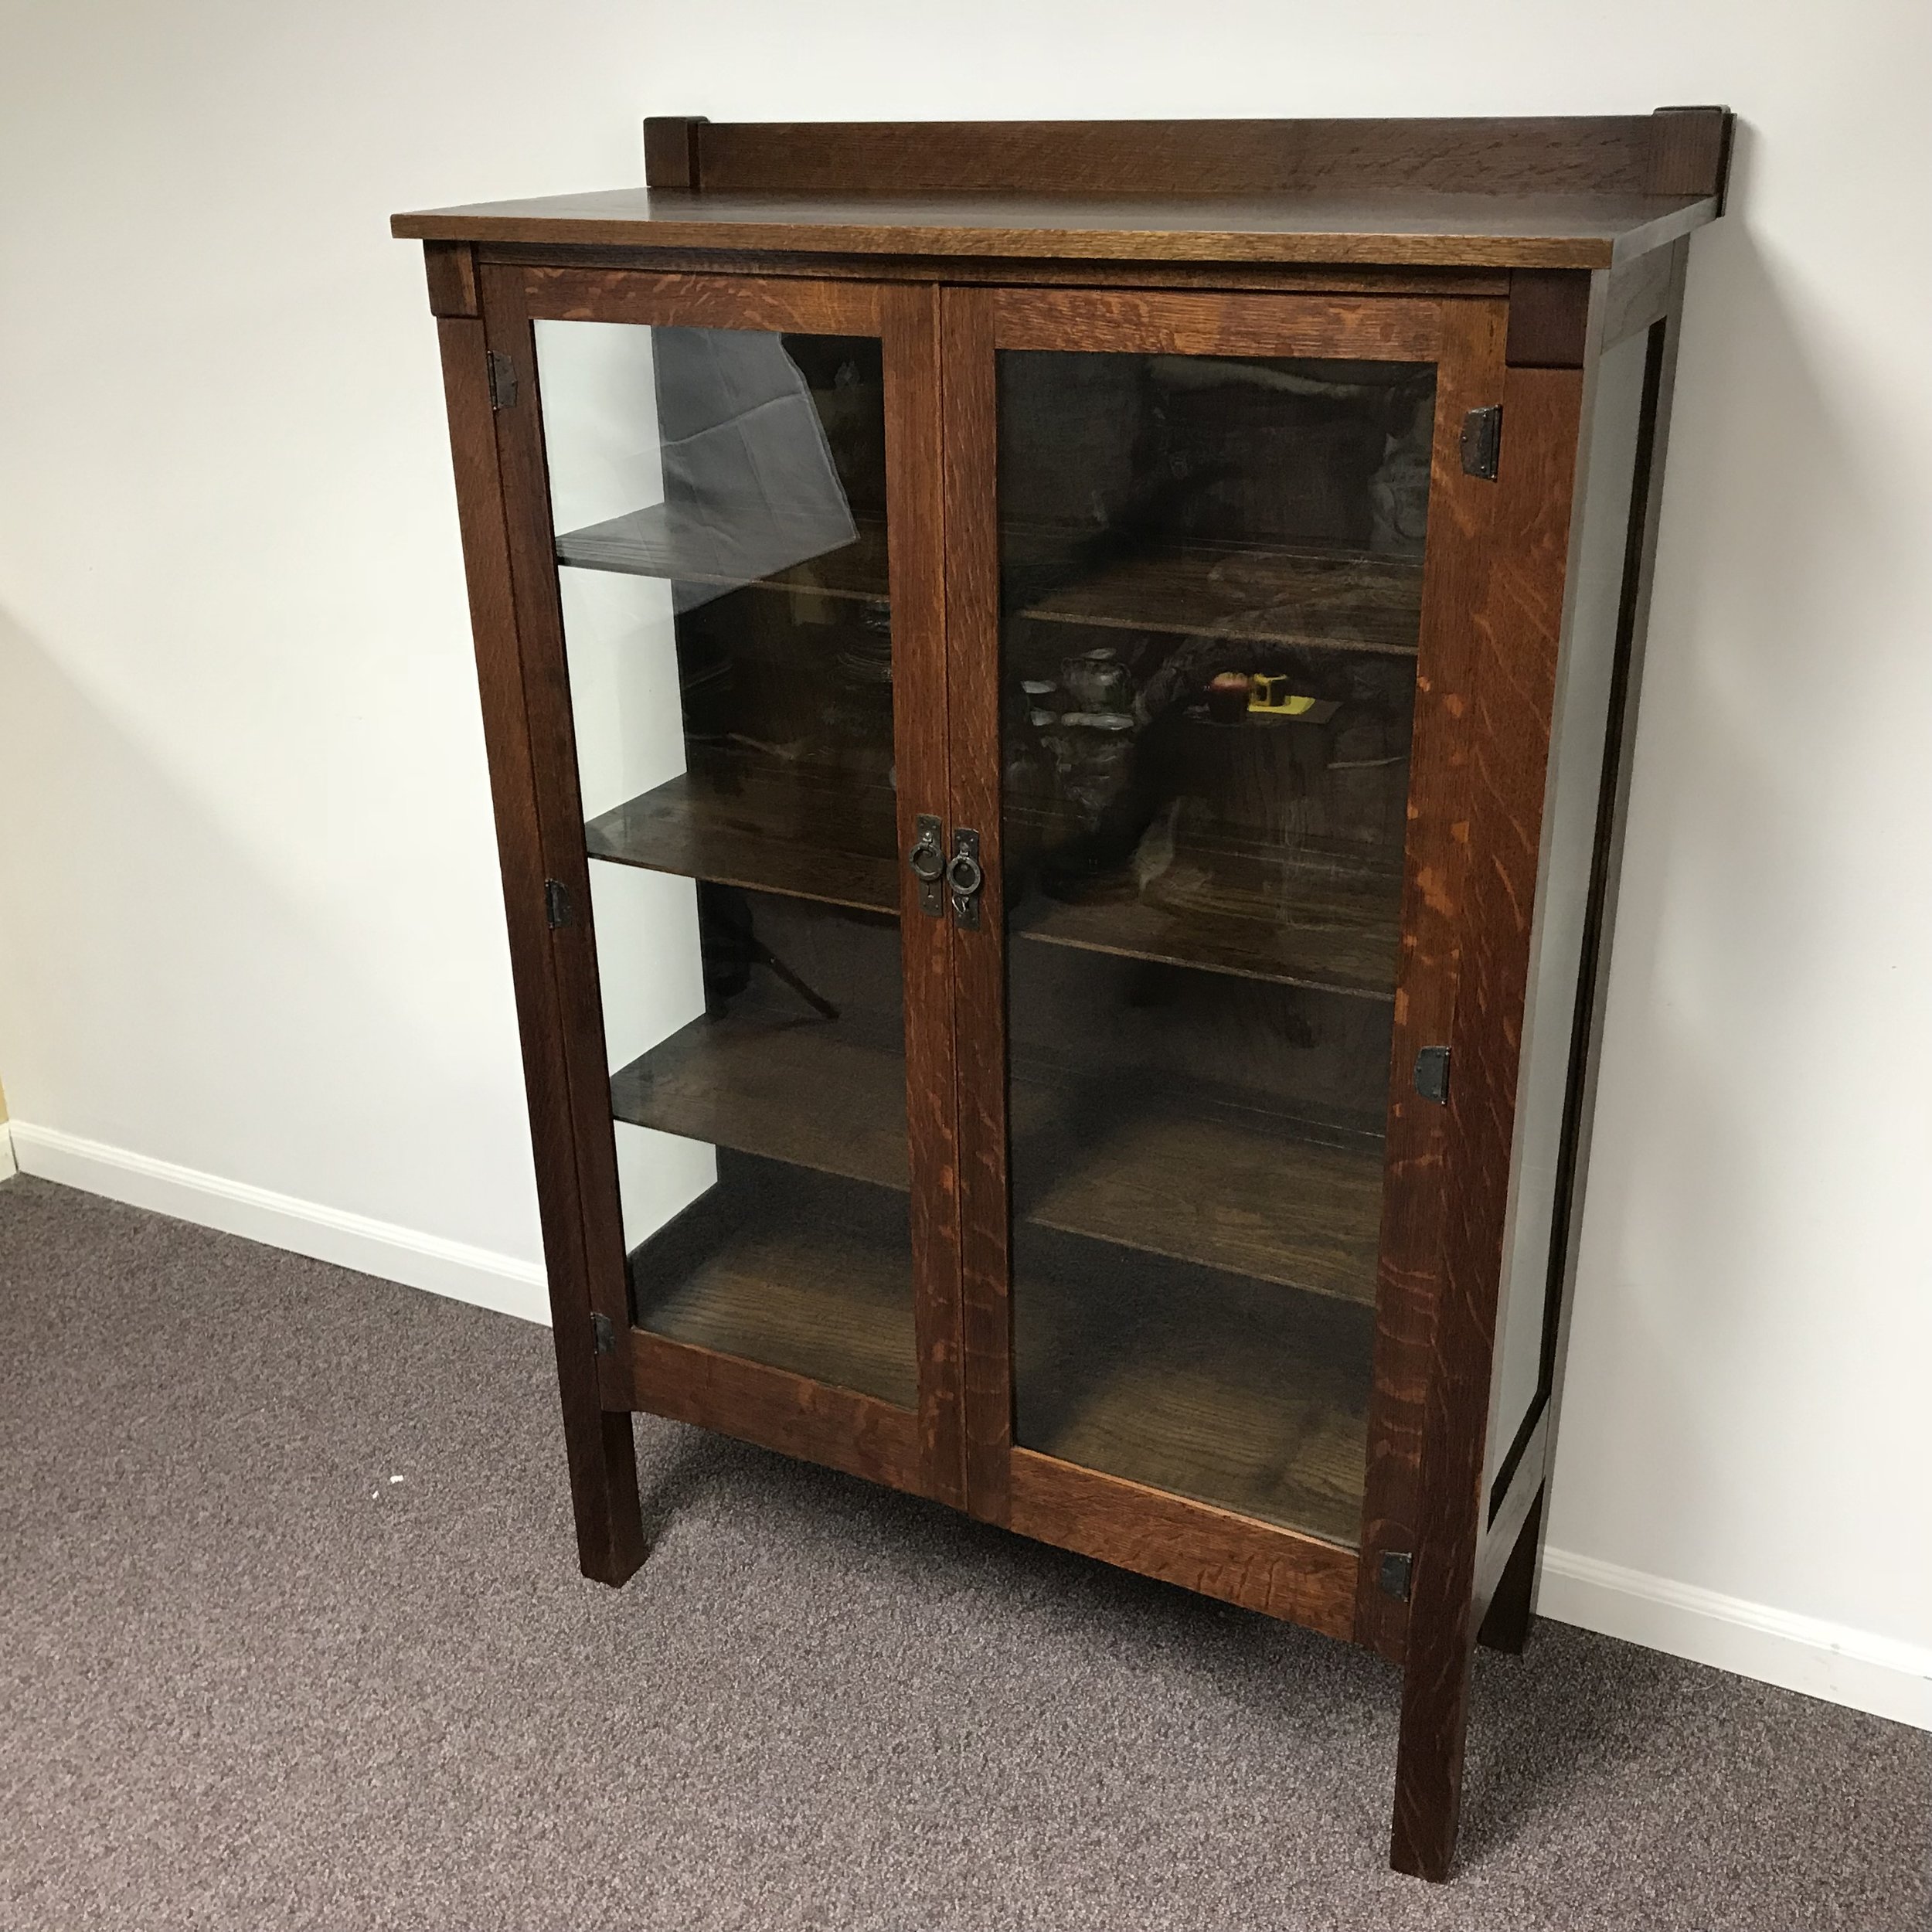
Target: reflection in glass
[718,501]
[1211,587]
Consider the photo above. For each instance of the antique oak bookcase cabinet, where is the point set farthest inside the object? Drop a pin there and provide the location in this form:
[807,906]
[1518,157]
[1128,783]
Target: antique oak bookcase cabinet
[1057,697]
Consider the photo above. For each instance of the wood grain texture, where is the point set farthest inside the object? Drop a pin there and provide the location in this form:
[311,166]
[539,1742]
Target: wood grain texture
[1279,278]
[747,822]
[670,151]
[1626,153]
[701,301]
[602,1463]
[971,544]
[1316,601]
[1145,322]
[1518,629]
[1549,318]
[1196,1382]
[1277,1571]
[1638,295]
[553,739]
[451,269]
[1688,151]
[1388,228]
[777,1410]
[1434,890]
[916,517]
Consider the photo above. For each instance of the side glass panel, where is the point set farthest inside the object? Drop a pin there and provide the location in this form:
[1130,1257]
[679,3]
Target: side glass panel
[1211,580]
[719,501]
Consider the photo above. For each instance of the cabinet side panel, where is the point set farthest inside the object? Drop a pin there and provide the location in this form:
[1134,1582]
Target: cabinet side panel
[1585,676]
[1517,630]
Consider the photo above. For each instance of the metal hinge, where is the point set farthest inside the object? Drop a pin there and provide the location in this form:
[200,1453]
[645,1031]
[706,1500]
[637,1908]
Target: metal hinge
[502,380]
[1393,1573]
[605,1331]
[556,903]
[1482,441]
[1432,1074]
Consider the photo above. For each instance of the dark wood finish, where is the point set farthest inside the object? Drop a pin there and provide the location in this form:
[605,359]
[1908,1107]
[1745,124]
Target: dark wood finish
[670,151]
[738,822]
[971,538]
[451,269]
[1677,151]
[1689,152]
[1164,1173]
[1148,322]
[1178,1385]
[1549,318]
[777,1410]
[1213,1551]
[789,1269]
[1434,895]
[1403,227]
[916,513]
[1517,628]
[1279,278]
[553,737]
[1643,293]
[603,1465]
[1236,1392]
[1313,599]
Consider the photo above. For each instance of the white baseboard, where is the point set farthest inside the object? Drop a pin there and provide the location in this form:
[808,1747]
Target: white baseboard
[1881,1674]
[8,1166]
[380,1248]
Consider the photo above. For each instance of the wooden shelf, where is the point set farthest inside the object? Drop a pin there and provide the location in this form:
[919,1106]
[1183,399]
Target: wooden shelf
[1196,1381]
[1311,599]
[753,822]
[1234,1188]
[795,1270]
[1231,910]
[676,542]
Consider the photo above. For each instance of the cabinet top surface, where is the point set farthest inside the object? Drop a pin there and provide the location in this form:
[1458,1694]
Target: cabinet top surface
[1576,191]
[1403,227]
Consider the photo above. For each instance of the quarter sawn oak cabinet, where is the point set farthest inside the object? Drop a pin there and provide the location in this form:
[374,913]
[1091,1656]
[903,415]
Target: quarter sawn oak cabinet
[1058,697]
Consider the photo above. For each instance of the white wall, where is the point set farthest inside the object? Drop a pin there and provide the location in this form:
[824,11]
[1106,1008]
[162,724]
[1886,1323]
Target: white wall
[251,927]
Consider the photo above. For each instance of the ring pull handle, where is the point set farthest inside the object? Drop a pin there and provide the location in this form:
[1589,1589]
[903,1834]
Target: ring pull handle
[965,876]
[927,860]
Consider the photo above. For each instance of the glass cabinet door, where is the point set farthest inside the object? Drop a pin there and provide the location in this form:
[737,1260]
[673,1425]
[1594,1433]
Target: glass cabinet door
[719,500]
[1211,574]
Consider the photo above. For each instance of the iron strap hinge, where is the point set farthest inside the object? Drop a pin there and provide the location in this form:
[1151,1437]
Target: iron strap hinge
[502,380]
[1482,441]
[1432,1074]
[1394,1573]
[556,903]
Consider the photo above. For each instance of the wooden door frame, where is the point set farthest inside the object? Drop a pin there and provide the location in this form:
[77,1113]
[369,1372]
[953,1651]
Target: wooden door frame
[636,1369]
[1303,1578]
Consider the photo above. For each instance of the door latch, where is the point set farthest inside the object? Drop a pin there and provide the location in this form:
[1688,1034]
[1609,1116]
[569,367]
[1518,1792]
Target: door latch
[964,875]
[927,860]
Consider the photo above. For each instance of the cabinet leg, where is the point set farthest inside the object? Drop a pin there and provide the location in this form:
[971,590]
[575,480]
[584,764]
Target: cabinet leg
[1435,1719]
[1506,1627]
[603,1488]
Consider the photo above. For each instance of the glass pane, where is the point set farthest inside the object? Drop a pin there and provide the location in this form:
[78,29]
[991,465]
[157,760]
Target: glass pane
[719,501]
[1211,587]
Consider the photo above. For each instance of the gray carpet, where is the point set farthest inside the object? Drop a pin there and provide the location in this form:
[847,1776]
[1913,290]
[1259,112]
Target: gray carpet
[248,1679]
